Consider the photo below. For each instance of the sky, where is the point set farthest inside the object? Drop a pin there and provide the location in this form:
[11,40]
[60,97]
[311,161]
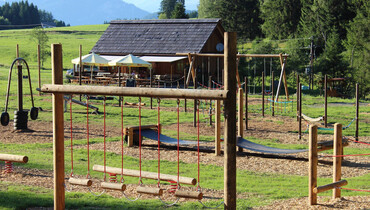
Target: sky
[154,5]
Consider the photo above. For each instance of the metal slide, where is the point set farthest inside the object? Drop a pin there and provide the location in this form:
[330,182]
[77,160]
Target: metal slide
[265,149]
[152,134]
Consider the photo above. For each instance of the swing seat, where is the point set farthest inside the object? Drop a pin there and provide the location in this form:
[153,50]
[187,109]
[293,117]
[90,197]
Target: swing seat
[82,182]
[189,194]
[149,190]
[113,186]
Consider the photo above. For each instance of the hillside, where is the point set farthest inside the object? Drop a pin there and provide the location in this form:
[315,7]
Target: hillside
[70,37]
[87,12]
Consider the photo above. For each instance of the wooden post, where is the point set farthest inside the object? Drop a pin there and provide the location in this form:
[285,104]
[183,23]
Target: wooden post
[218,127]
[283,65]
[39,66]
[210,101]
[185,101]
[263,94]
[230,121]
[313,160]
[326,101]
[58,128]
[80,70]
[240,115]
[246,102]
[300,111]
[337,161]
[150,86]
[17,52]
[272,94]
[297,93]
[357,109]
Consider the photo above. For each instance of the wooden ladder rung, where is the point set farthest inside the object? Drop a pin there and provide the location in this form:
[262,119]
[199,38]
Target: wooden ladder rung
[189,194]
[82,182]
[330,186]
[113,186]
[149,190]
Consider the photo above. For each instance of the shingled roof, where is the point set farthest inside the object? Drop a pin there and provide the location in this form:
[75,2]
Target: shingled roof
[156,36]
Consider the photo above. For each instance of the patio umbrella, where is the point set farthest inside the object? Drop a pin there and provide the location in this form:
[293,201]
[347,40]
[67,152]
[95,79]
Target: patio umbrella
[91,60]
[129,61]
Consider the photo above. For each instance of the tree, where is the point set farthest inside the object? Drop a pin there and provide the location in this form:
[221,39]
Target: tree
[39,35]
[179,12]
[358,47]
[281,18]
[209,8]
[167,6]
[242,16]
[331,61]
[193,14]
[319,17]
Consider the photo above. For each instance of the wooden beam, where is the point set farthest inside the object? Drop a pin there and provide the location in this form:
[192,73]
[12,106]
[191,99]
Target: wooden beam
[113,186]
[337,161]
[300,110]
[145,174]
[326,101]
[138,92]
[237,73]
[149,190]
[82,182]
[58,127]
[313,161]
[218,128]
[357,109]
[330,186]
[39,66]
[240,115]
[230,121]
[246,102]
[14,158]
[283,65]
[189,194]
[238,55]
[263,94]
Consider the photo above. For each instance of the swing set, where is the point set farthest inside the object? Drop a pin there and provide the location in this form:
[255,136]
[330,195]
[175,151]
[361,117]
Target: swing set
[228,96]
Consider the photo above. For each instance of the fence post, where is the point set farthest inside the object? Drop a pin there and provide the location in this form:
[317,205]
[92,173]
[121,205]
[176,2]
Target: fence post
[312,171]
[337,161]
[240,115]
[357,109]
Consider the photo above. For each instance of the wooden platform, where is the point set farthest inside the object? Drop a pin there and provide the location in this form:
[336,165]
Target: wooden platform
[133,137]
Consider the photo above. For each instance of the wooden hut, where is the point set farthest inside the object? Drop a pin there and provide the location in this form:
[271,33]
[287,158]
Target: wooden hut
[158,41]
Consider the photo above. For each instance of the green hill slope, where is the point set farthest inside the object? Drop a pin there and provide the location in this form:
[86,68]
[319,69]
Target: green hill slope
[69,37]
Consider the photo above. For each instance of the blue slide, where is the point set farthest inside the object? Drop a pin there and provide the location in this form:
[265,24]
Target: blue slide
[152,134]
[244,143]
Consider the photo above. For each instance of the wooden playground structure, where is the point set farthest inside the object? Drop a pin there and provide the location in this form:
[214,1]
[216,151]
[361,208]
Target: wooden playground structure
[337,164]
[232,137]
[228,95]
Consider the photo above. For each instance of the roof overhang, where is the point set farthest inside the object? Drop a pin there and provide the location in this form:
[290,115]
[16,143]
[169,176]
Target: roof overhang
[150,59]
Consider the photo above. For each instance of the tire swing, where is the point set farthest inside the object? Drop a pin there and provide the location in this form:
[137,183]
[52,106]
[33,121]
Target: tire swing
[87,182]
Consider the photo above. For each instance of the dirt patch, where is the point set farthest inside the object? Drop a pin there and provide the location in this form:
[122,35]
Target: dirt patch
[279,129]
[347,202]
